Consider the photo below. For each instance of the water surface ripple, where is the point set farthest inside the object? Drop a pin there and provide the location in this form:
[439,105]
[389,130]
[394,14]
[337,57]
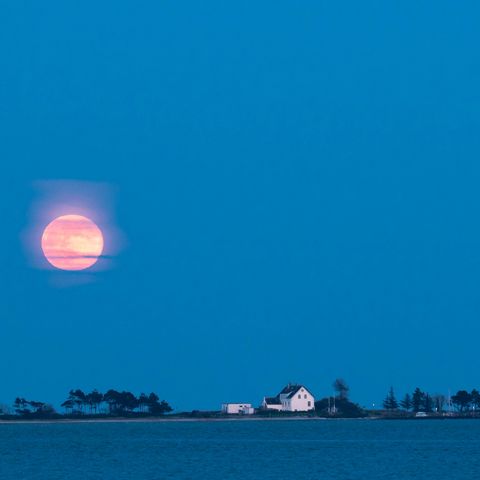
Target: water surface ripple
[281,450]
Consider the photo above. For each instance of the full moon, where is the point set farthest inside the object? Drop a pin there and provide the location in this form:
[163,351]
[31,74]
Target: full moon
[72,242]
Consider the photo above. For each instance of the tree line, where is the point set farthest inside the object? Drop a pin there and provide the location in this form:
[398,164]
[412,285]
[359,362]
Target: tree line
[419,401]
[27,407]
[112,403]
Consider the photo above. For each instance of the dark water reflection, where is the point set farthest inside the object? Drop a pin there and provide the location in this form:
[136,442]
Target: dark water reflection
[356,449]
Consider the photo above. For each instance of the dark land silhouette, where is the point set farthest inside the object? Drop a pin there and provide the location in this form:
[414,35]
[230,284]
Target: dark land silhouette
[125,404]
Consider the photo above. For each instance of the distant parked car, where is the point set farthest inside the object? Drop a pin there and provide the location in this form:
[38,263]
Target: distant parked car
[421,414]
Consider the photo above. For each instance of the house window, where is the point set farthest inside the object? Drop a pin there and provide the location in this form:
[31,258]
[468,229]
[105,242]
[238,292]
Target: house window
[305,396]
[309,403]
[299,396]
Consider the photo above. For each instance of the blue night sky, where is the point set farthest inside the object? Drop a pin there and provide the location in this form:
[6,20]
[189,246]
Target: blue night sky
[297,183]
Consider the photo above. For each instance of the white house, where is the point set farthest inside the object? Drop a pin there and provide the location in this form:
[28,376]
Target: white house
[238,409]
[272,403]
[293,398]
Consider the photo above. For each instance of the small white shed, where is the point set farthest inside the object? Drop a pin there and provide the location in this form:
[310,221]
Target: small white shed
[238,409]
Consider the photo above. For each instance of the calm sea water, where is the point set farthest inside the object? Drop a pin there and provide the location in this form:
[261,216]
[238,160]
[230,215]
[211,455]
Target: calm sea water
[351,449]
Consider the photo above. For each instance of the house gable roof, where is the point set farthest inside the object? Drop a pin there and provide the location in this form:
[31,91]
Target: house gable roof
[272,401]
[291,390]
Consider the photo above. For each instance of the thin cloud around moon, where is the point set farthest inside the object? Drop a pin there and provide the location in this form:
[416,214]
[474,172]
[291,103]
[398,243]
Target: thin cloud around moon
[75,245]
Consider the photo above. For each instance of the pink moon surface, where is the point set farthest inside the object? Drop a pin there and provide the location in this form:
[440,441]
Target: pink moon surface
[72,242]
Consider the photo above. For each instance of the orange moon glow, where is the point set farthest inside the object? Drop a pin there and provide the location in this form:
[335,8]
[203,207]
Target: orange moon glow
[72,242]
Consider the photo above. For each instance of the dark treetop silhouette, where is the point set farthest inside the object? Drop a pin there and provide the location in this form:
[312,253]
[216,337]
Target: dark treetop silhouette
[95,403]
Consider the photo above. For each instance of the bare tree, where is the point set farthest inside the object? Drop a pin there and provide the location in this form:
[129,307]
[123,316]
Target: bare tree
[439,401]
